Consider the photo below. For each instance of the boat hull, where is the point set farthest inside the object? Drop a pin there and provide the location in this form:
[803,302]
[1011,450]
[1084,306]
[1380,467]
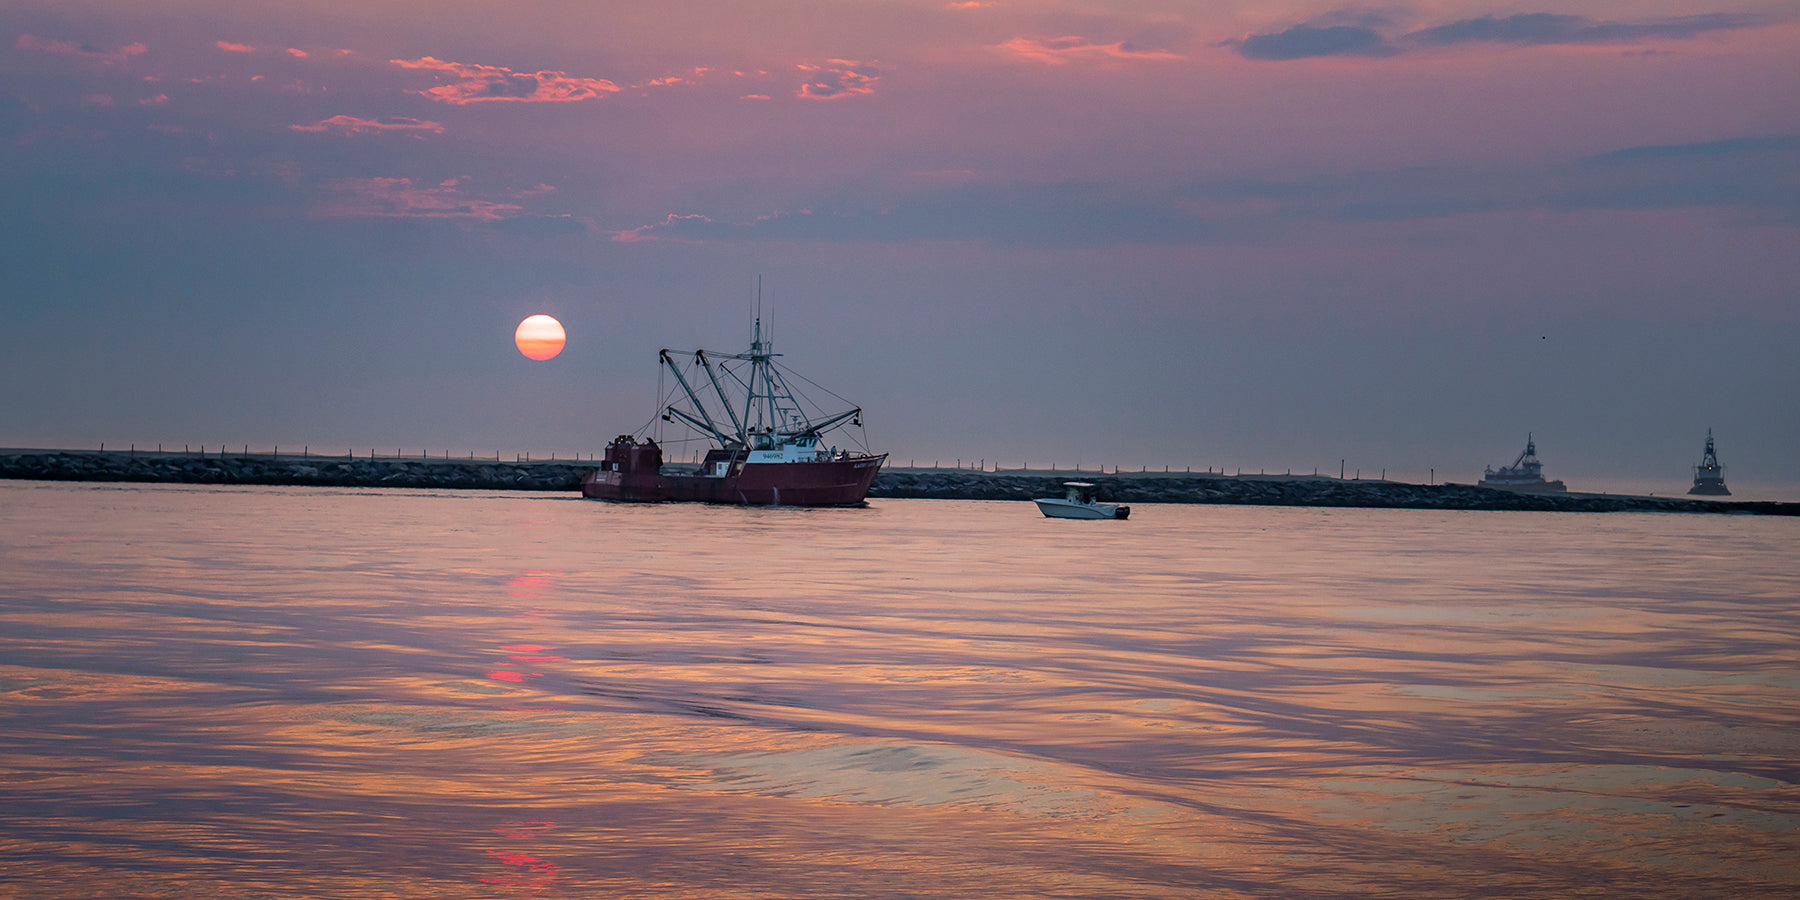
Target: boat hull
[1710,489]
[836,482]
[1064,509]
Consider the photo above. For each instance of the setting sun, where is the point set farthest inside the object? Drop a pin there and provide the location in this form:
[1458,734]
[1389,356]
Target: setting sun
[539,337]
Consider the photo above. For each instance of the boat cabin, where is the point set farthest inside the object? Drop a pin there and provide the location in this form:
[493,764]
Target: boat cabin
[1080,491]
[625,454]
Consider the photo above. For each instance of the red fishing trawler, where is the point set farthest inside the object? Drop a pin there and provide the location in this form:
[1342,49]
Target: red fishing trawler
[767,450]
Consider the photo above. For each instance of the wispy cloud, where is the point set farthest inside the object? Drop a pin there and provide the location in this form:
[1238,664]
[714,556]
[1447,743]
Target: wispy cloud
[230,47]
[674,226]
[480,84]
[836,79]
[353,125]
[1748,180]
[1756,177]
[80,51]
[1552,28]
[1358,33]
[1059,50]
[1752,180]
[1733,147]
[691,77]
[400,198]
[1309,41]
[1047,215]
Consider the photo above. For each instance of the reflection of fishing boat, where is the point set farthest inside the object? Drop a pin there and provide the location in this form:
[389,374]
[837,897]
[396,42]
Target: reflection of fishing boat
[1079,503]
[769,450]
[1709,476]
[1525,475]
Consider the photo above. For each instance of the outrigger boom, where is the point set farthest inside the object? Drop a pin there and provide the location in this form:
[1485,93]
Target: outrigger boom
[777,419]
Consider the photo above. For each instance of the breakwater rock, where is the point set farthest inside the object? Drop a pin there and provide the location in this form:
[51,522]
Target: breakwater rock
[1290,492]
[327,471]
[324,471]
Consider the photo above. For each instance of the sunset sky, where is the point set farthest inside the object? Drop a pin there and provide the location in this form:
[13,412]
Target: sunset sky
[1259,234]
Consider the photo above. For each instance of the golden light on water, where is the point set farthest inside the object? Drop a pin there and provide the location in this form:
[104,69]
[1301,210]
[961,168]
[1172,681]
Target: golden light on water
[540,337]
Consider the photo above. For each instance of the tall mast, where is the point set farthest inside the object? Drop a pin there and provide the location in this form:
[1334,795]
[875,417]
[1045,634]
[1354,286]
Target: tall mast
[760,350]
[771,415]
[1527,461]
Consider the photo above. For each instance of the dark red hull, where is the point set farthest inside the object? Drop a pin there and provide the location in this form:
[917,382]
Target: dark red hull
[836,482]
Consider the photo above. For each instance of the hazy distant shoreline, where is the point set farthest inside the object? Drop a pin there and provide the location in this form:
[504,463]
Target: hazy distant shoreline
[565,475]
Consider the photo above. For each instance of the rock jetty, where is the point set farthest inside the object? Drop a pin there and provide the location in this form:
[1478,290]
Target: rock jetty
[184,468]
[324,471]
[1298,491]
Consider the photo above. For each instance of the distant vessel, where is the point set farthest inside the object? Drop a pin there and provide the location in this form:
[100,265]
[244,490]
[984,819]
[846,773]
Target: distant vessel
[772,454]
[1709,476]
[1525,475]
[1079,503]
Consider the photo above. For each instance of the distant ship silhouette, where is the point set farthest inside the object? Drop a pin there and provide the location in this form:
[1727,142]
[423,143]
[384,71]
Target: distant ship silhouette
[1709,476]
[1526,474]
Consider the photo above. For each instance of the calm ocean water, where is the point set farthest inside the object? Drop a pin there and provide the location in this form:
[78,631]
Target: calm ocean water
[268,692]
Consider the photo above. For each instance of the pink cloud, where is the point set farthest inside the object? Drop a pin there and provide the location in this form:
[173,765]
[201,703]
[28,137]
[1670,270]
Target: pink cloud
[297,53]
[1060,50]
[837,78]
[652,231]
[152,101]
[694,76]
[477,84]
[353,125]
[68,48]
[400,198]
[754,97]
[229,47]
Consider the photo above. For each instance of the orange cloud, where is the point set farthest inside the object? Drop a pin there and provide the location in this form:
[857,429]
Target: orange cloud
[478,84]
[297,53]
[353,125]
[69,48]
[229,47]
[400,198]
[152,101]
[1060,50]
[836,79]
